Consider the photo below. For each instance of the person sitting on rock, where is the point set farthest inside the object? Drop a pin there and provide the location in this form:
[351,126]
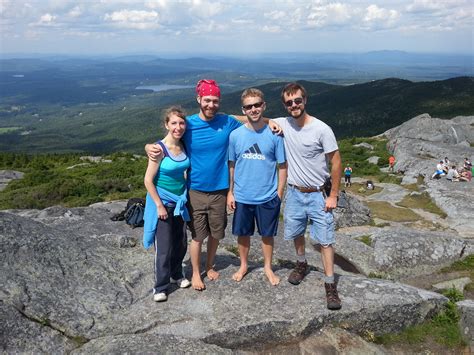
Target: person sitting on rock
[452,174]
[467,164]
[347,176]
[446,165]
[466,176]
[439,171]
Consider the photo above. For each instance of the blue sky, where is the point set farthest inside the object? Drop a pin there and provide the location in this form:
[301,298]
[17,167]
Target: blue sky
[235,26]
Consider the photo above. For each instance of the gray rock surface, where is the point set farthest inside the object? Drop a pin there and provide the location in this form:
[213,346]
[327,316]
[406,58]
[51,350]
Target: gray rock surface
[398,251]
[419,144]
[466,308]
[365,145]
[373,160]
[68,284]
[8,175]
[458,284]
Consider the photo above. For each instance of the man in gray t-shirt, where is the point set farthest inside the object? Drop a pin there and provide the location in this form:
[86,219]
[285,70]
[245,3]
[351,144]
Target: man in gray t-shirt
[310,145]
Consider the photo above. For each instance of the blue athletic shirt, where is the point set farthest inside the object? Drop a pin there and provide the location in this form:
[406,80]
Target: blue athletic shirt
[255,154]
[206,145]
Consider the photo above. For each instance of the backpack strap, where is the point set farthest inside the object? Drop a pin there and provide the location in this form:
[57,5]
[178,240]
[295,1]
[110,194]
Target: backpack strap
[163,147]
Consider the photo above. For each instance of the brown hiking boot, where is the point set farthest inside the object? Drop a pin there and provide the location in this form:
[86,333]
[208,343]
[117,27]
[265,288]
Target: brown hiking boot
[299,272]
[332,297]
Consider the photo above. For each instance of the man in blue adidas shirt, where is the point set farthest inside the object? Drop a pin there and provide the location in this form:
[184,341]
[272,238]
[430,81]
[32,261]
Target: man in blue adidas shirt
[206,140]
[256,185]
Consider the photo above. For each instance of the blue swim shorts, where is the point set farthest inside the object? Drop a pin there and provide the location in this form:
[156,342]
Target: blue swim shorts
[266,215]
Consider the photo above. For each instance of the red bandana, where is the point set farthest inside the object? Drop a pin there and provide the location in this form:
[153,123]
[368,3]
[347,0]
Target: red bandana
[207,87]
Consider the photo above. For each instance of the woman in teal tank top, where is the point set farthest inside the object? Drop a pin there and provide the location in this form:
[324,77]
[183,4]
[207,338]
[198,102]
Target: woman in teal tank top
[168,173]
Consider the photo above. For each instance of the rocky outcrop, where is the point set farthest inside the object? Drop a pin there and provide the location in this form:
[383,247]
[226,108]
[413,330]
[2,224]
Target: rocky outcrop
[8,175]
[69,283]
[419,144]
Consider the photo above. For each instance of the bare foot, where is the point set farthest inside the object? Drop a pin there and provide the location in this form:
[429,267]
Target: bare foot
[239,275]
[197,283]
[212,274]
[274,279]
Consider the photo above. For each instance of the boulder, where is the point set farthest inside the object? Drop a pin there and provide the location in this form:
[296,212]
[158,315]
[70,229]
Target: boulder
[8,175]
[458,284]
[395,252]
[365,145]
[373,160]
[466,323]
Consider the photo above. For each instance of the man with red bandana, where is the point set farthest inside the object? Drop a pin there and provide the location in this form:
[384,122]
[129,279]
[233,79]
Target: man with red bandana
[206,140]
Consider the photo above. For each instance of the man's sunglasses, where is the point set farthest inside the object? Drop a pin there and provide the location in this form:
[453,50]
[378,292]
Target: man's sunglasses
[297,101]
[256,105]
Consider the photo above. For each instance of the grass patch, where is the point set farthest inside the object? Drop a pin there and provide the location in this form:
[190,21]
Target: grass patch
[466,264]
[384,210]
[359,189]
[377,275]
[422,201]
[366,239]
[4,130]
[443,328]
[232,249]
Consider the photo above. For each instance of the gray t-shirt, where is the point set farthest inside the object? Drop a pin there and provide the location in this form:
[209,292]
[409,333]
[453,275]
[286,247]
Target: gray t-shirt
[306,148]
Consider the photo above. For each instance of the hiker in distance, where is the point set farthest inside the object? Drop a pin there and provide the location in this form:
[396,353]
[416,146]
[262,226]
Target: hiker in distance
[165,208]
[309,145]
[207,140]
[257,169]
[347,175]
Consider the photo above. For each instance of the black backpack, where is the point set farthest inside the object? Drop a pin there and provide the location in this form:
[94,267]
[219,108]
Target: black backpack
[135,212]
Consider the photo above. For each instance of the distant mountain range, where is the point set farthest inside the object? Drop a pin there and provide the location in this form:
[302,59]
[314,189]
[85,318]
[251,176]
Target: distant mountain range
[371,108]
[92,105]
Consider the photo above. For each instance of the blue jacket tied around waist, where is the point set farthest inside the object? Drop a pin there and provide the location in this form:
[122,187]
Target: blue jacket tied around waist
[151,213]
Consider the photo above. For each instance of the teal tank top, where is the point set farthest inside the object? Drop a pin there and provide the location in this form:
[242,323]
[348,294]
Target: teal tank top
[170,174]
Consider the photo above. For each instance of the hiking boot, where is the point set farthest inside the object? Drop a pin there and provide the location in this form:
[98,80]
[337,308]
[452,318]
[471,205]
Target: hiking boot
[182,283]
[332,297]
[299,272]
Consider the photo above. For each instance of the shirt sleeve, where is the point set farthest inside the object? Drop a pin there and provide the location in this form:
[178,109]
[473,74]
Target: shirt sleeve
[280,150]
[234,123]
[328,140]
[232,148]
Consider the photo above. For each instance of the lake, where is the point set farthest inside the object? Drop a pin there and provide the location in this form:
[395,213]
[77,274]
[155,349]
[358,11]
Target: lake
[163,87]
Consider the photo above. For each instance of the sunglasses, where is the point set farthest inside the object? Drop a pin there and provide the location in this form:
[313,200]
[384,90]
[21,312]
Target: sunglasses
[256,105]
[297,101]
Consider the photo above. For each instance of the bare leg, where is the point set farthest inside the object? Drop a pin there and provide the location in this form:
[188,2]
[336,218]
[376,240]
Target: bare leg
[327,254]
[244,247]
[267,248]
[299,245]
[195,253]
[212,245]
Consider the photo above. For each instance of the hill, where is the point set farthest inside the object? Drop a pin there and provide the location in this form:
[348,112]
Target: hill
[371,108]
[123,120]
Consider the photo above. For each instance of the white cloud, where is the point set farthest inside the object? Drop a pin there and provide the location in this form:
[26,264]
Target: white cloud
[75,12]
[379,18]
[275,15]
[329,14]
[271,29]
[47,19]
[206,9]
[134,19]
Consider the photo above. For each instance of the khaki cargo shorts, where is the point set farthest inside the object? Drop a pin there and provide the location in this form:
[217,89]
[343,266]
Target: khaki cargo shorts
[208,214]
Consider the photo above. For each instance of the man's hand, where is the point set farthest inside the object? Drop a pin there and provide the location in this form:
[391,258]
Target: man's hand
[153,151]
[331,203]
[230,201]
[275,127]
